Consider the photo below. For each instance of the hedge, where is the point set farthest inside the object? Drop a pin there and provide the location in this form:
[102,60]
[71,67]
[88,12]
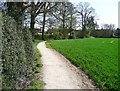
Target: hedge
[18,56]
[0,49]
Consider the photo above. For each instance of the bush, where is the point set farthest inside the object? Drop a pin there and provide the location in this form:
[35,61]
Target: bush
[117,33]
[88,32]
[60,33]
[79,34]
[102,33]
[47,36]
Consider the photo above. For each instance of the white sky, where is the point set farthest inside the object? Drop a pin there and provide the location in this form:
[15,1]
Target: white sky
[107,10]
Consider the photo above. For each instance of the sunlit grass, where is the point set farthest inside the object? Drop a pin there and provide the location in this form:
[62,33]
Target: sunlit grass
[98,57]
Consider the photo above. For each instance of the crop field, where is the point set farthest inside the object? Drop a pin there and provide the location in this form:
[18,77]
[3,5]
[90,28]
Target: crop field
[98,57]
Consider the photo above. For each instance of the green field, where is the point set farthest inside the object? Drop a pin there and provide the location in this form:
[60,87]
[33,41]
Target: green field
[97,57]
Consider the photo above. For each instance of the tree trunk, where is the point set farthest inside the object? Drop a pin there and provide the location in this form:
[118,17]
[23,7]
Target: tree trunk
[70,28]
[63,16]
[63,22]
[43,28]
[83,33]
[83,27]
[32,23]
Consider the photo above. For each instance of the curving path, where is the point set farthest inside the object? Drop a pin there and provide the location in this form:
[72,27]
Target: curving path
[59,73]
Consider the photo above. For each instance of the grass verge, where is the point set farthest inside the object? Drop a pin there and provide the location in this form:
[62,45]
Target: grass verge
[37,84]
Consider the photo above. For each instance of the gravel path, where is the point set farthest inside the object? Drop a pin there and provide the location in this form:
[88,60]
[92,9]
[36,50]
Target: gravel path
[59,73]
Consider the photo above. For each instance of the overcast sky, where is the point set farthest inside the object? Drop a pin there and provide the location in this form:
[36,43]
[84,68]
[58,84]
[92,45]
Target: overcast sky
[107,10]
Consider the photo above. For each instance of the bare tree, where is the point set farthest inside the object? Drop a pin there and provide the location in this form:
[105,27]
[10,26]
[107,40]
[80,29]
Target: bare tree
[46,8]
[64,14]
[37,8]
[91,23]
[108,26]
[86,13]
[34,10]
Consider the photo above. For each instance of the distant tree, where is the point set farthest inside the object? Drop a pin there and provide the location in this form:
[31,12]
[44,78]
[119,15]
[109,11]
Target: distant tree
[34,10]
[108,26]
[91,23]
[46,8]
[87,16]
[72,22]
[64,14]
[51,23]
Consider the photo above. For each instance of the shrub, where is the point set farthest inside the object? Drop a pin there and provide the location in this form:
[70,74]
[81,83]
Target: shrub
[88,32]
[60,33]
[117,33]
[47,36]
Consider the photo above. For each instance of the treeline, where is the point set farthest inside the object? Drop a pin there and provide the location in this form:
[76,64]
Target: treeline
[56,15]
[49,15]
[64,33]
